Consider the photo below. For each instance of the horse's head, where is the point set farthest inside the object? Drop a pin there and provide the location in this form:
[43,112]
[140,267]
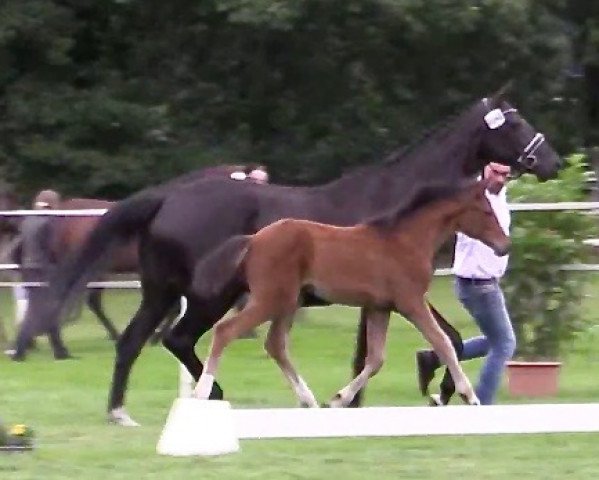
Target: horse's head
[476,218]
[508,138]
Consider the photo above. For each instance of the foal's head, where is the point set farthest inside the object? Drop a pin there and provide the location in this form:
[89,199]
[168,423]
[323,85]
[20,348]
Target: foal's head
[475,217]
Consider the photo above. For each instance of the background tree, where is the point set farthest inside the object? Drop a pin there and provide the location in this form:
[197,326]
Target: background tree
[103,97]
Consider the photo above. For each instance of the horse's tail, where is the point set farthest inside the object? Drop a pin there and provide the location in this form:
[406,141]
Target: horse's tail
[122,222]
[218,268]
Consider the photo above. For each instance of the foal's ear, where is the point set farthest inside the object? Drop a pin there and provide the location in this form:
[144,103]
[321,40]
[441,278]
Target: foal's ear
[500,94]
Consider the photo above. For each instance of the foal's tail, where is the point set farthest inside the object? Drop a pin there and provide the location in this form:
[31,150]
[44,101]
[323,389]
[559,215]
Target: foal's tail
[360,353]
[121,223]
[218,268]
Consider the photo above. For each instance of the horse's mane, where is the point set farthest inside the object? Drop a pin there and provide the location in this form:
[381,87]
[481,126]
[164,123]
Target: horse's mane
[402,152]
[437,129]
[424,196]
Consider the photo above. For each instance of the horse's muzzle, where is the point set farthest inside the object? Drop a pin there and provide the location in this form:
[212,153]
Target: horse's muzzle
[504,249]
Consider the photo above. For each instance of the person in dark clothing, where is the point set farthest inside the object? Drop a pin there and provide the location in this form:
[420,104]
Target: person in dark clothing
[33,250]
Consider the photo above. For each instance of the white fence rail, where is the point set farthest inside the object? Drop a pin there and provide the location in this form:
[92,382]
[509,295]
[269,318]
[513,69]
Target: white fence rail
[551,207]
[95,212]
[410,421]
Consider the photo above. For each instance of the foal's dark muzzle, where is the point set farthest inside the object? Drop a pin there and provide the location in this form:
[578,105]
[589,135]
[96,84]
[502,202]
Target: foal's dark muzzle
[504,249]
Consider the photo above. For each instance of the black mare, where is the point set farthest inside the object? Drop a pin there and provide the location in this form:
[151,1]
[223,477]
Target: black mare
[177,227]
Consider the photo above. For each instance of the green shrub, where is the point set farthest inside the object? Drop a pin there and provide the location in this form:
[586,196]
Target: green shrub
[543,299]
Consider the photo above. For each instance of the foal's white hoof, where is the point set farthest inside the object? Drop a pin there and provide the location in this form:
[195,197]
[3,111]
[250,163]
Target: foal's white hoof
[119,416]
[470,401]
[336,402]
[434,400]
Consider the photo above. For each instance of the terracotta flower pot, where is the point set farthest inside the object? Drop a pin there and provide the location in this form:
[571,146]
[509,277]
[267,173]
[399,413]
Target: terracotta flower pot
[533,379]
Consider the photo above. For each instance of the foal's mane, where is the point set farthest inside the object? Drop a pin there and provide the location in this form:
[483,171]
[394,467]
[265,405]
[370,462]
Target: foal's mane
[427,195]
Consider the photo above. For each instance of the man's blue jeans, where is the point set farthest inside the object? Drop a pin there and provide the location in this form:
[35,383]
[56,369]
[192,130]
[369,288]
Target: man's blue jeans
[486,304]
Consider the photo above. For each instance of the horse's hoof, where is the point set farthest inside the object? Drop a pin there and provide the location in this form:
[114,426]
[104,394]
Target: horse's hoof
[473,401]
[337,401]
[17,357]
[434,400]
[64,356]
[119,416]
[216,393]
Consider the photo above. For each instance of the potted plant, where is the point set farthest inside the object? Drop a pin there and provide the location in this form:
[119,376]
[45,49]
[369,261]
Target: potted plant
[543,298]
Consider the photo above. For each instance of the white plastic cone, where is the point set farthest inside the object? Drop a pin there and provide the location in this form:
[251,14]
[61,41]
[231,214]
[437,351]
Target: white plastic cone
[199,427]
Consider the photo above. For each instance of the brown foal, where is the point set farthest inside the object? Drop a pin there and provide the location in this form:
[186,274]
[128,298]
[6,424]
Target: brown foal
[384,265]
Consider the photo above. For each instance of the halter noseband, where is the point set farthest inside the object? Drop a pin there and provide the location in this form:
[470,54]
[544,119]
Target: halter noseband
[496,118]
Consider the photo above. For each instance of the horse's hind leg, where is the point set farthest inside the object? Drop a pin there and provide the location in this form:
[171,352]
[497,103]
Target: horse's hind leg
[154,305]
[276,345]
[377,323]
[58,346]
[359,356]
[94,302]
[225,331]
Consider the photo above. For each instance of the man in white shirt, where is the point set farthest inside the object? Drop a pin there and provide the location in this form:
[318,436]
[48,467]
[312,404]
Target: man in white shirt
[478,272]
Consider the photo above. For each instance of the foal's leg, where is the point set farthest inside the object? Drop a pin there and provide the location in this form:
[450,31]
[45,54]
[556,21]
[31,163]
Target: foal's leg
[225,331]
[359,360]
[422,318]
[94,302]
[276,343]
[447,385]
[377,322]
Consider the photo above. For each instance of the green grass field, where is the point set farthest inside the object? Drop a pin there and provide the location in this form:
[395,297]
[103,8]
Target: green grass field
[65,402]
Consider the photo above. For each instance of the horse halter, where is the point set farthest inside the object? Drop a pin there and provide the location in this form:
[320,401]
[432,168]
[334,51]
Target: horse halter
[496,118]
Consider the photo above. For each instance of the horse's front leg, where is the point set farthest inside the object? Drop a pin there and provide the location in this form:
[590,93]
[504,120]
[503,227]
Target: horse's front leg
[422,318]
[276,345]
[447,385]
[377,323]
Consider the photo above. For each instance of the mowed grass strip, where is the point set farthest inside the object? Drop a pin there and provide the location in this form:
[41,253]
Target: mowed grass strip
[65,403]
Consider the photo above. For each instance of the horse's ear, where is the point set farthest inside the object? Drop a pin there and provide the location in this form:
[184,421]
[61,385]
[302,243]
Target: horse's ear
[499,95]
